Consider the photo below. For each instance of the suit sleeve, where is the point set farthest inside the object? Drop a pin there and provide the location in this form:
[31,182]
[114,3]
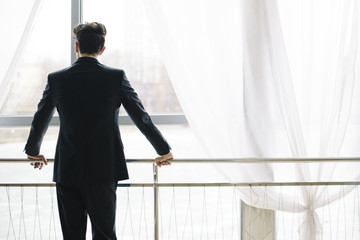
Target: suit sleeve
[141,118]
[40,123]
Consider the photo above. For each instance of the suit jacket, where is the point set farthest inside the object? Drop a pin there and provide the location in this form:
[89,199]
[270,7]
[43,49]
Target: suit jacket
[87,96]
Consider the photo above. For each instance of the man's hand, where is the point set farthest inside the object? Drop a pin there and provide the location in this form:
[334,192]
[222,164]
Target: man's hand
[164,160]
[38,161]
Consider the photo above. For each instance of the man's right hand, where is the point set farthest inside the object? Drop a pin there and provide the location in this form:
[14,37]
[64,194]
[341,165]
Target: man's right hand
[38,161]
[164,160]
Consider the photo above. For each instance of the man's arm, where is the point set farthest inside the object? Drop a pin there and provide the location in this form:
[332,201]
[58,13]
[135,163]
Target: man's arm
[38,129]
[142,120]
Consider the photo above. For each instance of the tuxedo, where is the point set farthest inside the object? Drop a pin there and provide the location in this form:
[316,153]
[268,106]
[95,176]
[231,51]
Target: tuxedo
[89,158]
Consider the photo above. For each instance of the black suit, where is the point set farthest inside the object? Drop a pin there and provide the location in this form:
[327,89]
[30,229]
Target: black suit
[87,96]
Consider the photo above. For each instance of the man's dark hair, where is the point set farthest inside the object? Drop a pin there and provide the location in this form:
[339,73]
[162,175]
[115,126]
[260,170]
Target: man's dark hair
[90,36]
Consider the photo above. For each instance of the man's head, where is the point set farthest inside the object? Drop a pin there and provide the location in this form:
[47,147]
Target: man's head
[90,38]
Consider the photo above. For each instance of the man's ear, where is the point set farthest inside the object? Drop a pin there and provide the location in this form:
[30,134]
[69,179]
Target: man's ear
[77,47]
[102,50]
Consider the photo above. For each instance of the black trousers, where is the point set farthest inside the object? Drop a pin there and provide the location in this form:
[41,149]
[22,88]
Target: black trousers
[77,202]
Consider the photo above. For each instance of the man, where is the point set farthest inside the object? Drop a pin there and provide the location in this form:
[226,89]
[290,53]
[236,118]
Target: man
[89,157]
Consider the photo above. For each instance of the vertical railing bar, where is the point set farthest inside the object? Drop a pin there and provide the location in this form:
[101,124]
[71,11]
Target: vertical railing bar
[156,205]
[240,220]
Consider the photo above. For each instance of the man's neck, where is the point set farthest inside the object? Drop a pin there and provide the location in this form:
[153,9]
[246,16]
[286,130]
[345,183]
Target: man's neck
[87,55]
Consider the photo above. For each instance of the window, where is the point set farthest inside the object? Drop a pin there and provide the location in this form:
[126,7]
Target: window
[47,49]
[130,46]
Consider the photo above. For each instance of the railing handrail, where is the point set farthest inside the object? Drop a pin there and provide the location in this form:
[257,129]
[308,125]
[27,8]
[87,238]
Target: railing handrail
[211,184]
[221,160]
[197,184]
[213,161]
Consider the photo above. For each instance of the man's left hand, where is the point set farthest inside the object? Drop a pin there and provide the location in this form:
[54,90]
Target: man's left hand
[38,161]
[164,160]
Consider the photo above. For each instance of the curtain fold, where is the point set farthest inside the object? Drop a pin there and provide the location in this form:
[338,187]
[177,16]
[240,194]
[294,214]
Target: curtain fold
[268,79]
[6,74]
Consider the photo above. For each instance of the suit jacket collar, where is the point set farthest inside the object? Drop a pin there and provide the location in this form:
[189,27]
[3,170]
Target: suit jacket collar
[87,59]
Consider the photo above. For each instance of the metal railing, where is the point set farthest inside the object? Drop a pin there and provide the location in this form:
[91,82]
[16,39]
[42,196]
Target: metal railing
[156,185]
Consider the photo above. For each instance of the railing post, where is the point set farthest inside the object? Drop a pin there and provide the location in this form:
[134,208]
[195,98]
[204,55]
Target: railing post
[156,202]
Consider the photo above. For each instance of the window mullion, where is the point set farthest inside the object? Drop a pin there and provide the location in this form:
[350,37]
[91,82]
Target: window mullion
[76,18]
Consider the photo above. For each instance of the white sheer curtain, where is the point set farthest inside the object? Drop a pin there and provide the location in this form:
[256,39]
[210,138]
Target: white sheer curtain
[268,79]
[17,19]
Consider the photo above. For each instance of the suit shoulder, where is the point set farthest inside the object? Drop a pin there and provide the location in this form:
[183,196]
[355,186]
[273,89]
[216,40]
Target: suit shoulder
[59,72]
[113,70]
